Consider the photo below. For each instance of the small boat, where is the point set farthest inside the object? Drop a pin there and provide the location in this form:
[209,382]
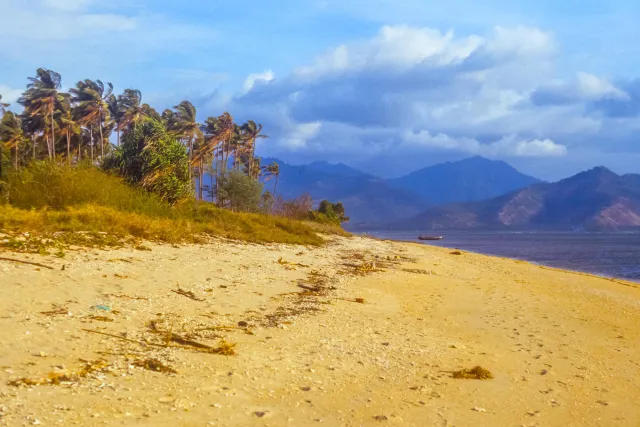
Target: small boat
[423,237]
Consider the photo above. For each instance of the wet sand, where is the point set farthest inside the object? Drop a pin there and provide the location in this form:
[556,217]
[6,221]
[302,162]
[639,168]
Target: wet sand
[358,333]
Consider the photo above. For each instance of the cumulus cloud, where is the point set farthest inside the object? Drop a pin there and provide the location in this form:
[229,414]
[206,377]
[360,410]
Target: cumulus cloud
[585,88]
[368,95]
[508,146]
[252,79]
[9,95]
[82,33]
[626,107]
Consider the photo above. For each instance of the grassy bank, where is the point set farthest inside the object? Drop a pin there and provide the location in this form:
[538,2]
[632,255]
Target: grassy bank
[83,205]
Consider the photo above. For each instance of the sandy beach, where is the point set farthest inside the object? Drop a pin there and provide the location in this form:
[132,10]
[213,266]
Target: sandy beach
[359,332]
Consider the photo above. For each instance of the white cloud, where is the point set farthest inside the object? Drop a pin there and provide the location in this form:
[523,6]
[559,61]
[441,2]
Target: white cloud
[508,146]
[10,95]
[81,33]
[585,88]
[415,78]
[298,135]
[594,88]
[263,77]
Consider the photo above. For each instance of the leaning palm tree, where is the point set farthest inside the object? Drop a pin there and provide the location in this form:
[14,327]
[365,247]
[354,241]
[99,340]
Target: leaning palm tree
[185,126]
[11,135]
[270,171]
[116,114]
[68,126]
[33,127]
[41,100]
[252,132]
[132,109]
[217,133]
[90,98]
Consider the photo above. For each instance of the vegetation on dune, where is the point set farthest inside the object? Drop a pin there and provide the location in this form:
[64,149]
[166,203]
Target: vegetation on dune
[59,172]
[47,198]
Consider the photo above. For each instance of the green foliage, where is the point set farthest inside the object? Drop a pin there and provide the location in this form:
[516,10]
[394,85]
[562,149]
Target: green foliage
[50,185]
[153,159]
[240,192]
[47,198]
[328,212]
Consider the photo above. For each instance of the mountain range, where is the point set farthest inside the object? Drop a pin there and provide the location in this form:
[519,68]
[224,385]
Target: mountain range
[474,193]
[597,199]
[370,200]
[467,180]
[367,199]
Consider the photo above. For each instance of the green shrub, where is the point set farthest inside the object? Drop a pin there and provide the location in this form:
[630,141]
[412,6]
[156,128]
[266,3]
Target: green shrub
[240,192]
[50,185]
[154,160]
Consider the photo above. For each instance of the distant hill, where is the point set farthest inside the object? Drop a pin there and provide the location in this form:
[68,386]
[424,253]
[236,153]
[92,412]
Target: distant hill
[597,199]
[467,180]
[338,169]
[366,198]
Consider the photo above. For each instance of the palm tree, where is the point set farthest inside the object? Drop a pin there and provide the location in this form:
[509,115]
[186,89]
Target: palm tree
[68,126]
[3,106]
[132,109]
[218,132]
[252,132]
[11,135]
[33,126]
[185,126]
[91,106]
[41,99]
[116,114]
[273,170]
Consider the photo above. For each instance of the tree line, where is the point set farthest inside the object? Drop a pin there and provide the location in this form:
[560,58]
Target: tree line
[169,153]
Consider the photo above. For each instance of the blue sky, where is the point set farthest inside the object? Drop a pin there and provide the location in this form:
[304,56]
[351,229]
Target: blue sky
[384,85]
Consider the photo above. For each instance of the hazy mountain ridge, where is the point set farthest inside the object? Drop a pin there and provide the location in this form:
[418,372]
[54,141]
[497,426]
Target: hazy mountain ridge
[366,198]
[467,180]
[597,199]
[371,200]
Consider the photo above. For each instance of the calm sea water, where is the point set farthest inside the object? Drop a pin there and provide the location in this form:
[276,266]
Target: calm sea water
[605,254]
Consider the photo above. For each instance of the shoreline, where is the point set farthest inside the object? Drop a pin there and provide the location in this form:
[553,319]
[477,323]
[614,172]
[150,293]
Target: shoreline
[601,274]
[357,333]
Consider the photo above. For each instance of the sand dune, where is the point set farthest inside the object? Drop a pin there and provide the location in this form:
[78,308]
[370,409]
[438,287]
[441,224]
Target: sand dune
[358,333]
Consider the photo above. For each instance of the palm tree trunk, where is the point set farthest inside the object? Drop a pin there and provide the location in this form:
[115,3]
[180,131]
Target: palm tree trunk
[275,185]
[53,138]
[217,177]
[91,133]
[200,180]
[190,144]
[253,156]
[101,141]
[33,145]
[68,148]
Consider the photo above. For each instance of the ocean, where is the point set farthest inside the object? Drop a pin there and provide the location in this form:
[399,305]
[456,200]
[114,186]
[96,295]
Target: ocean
[606,254]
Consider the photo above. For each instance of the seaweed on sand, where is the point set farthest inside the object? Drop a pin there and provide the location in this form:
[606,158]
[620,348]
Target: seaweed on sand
[476,373]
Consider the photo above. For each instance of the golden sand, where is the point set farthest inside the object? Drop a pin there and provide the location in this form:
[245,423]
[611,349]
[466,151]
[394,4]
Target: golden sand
[358,333]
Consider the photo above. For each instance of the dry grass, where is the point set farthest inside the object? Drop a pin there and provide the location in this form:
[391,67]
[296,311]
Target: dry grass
[100,226]
[59,206]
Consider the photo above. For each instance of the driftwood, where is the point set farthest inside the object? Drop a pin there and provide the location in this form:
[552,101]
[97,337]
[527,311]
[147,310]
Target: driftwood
[26,262]
[188,294]
[310,288]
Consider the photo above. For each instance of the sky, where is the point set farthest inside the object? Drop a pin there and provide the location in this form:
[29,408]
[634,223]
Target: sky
[387,86]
